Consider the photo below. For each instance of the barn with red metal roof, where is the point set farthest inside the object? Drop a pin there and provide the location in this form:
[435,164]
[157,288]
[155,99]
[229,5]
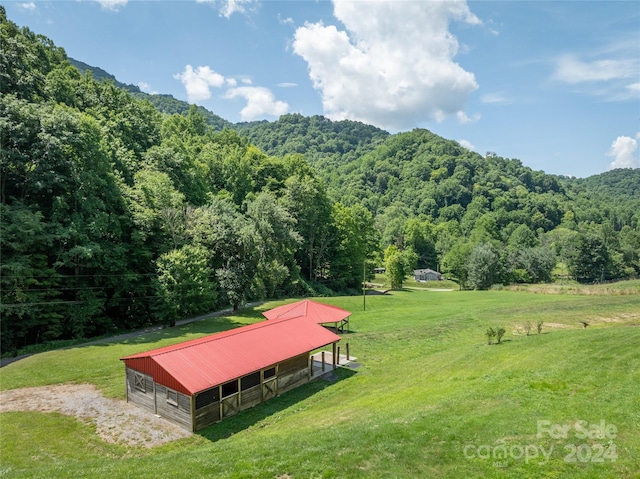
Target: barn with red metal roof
[319,313]
[199,382]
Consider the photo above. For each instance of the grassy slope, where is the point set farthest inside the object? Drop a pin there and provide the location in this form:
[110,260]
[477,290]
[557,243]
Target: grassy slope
[428,386]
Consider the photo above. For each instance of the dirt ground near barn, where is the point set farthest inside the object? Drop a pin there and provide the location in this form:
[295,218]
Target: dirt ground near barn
[116,421]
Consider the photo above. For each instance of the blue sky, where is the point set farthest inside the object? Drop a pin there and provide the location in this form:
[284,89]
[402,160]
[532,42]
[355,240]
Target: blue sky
[554,84]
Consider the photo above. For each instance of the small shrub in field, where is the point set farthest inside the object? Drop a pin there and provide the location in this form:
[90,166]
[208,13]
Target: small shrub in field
[539,327]
[527,327]
[490,333]
[499,333]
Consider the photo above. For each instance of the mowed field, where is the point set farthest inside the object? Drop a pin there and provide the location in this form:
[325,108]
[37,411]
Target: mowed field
[430,398]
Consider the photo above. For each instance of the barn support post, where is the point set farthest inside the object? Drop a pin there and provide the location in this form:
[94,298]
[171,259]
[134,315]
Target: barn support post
[220,402]
[333,356]
[310,366]
[323,366]
[347,346]
[337,358]
[126,381]
[192,401]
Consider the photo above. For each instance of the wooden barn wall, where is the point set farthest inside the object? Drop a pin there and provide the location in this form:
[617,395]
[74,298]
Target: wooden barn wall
[250,397]
[136,395]
[180,413]
[207,415]
[290,374]
[293,372]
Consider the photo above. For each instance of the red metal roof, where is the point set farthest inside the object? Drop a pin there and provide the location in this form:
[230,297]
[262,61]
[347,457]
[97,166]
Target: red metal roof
[199,364]
[316,312]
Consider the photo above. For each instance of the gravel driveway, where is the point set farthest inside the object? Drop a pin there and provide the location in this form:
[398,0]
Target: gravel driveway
[116,421]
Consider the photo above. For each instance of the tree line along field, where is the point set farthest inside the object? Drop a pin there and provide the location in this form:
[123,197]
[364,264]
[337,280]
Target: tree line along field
[430,398]
[122,210]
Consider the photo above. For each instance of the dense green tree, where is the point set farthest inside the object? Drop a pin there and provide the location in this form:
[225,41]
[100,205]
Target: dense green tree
[399,264]
[522,237]
[184,284]
[277,242]
[483,266]
[29,286]
[454,263]
[419,234]
[231,241]
[153,199]
[533,265]
[588,257]
[305,198]
[355,242]
[630,250]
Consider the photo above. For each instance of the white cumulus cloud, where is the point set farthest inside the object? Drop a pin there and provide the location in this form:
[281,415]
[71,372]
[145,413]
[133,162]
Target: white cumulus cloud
[27,6]
[198,82]
[113,5]
[624,150]
[260,102]
[393,65]
[226,8]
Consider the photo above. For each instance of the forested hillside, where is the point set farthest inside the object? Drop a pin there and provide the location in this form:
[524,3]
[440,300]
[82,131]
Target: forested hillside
[115,216]
[483,220]
[163,103]
[120,210]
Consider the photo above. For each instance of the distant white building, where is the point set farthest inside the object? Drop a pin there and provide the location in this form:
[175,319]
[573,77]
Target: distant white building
[426,275]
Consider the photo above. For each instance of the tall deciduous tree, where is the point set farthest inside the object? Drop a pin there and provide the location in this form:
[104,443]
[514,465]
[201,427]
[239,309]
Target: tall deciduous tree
[184,285]
[306,199]
[399,264]
[483,266]
[276,243]
[419,234]
[354,243]
[588,257]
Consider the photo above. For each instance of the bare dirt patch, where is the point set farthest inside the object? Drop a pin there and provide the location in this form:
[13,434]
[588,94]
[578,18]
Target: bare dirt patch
[116,421]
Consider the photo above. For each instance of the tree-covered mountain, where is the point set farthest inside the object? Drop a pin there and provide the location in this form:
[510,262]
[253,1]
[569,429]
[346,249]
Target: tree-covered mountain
[614,184]
[169,105]
[163,103]
[433,197]
[117,213]
[101,75]
[324,143]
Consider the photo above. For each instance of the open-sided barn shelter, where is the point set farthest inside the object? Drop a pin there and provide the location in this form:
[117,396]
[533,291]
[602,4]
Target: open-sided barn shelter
[199,382]
[319,313]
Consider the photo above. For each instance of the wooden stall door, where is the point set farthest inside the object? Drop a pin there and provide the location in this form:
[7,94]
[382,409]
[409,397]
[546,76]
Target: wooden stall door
[269,388]
[229,405]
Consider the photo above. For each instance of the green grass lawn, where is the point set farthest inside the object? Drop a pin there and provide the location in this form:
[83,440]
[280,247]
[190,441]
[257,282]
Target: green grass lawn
[431,399]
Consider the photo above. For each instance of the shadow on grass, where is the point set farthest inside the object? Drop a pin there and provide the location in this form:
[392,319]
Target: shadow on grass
[257,416]
[179,333]
[212,324]
[208,324]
